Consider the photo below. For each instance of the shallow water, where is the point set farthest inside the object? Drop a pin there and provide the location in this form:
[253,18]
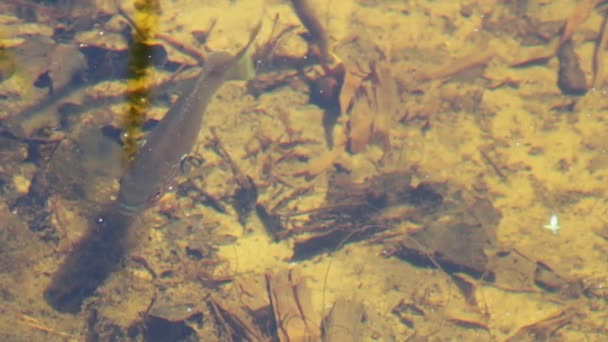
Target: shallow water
[462,198]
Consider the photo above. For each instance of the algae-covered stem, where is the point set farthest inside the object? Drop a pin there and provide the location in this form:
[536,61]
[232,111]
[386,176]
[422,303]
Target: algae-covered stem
[144,26]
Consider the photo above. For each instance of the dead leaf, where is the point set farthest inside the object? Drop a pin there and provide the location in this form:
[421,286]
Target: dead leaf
[352,82]
[386,100]
[346,321]
[361,120]
[291,305]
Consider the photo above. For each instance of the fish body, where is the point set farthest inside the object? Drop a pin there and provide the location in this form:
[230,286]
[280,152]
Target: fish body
[99,253]
[160,155]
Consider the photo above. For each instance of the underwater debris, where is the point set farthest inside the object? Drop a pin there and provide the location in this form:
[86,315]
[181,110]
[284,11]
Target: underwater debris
[455,237]
[354,212]
[545,328]
[246,194]
[372,109]
[270,220]
[290,299]
[57,68]
[325,88]
[406,313]
[67,72]
[550,280]
[571,78]
[232,323]
[346,321]
[172,322]
[265,55]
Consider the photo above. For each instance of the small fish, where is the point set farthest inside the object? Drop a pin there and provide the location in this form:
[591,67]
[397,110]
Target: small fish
[160,156]
[99,253]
